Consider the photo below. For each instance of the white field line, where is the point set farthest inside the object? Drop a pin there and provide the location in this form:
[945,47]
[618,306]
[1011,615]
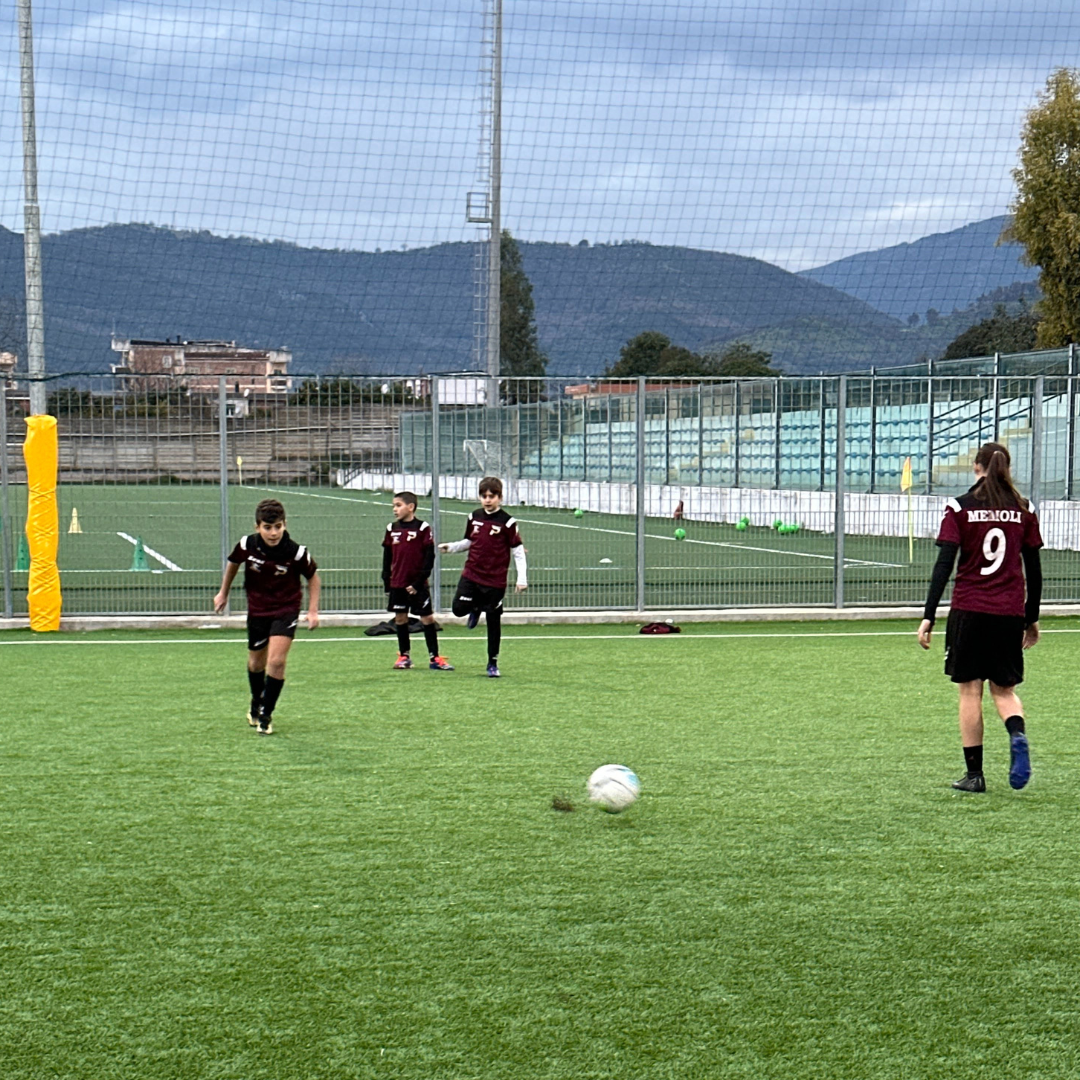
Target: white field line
[460,639]
[167,563]
[614,532]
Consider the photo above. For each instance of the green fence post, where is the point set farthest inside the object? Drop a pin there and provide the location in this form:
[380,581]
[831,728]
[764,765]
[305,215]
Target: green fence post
[838,510]
[5,517]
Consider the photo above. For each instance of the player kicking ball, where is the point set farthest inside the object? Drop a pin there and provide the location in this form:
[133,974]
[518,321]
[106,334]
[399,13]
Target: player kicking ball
[491,535]
[990,620]
[274,565]
[408,559]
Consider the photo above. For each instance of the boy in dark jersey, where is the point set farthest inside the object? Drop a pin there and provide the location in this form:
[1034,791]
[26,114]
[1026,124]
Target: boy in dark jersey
[408,559]
[273,565]
[991,620]
[491,535]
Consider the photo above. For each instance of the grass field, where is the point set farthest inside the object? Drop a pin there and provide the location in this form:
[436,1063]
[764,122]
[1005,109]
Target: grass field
[574,562]
[382,889]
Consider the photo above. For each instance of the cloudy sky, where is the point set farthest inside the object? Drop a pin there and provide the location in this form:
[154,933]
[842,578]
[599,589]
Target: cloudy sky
[797,131]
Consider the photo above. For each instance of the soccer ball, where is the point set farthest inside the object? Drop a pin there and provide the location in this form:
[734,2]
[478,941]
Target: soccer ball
[613,788]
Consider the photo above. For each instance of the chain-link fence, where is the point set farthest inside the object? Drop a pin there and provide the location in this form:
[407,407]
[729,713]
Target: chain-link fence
[630,493]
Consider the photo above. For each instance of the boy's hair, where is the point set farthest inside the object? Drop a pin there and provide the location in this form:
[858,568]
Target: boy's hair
[269,512]
[406,497]
[491,484]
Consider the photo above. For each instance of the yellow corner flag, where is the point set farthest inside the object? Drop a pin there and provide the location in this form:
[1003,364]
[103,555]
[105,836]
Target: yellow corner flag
[905,476]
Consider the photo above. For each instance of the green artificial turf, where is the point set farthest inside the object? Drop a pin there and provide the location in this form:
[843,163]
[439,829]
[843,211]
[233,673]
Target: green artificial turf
[382,889]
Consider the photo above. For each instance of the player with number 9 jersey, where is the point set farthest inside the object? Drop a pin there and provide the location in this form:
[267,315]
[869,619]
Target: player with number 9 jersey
[994,613]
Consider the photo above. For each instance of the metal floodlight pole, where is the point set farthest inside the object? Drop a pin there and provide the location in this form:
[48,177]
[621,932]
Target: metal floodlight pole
[494,297]
[1070,421]
[35,309]
[838,510]
[436,520]
[5,516]
[223,473]
[1036,443]
[639,501]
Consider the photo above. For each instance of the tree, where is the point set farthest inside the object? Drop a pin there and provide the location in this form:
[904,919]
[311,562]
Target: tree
[1002,332]
[1046,211]
[519,349]
[652,354]
[913,319]
[741,360]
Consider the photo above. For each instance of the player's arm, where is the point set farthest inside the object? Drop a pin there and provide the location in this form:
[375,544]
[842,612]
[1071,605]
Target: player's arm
[455,546]
[387,559]
[222,598]
[314,589]
[521,567]
[1034,579]
[943,569]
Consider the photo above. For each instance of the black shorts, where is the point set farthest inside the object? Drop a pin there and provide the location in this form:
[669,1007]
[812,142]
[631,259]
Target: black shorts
[982,646]
[261,628]
[417,603]
[473,597]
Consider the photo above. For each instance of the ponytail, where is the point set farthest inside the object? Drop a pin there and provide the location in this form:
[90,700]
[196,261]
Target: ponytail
[996,486]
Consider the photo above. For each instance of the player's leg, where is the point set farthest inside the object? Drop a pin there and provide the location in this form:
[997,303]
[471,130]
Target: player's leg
[256,669]
[258,633]
[276,655]
[493,611]
[1011,710]
[399,605]
[971,735]
[465,602]
[422,609]
[282,632]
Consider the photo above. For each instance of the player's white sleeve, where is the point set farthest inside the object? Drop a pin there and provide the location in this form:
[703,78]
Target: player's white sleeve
[458,545]
[520,567]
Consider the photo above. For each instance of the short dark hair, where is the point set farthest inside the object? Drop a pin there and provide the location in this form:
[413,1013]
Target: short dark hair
[406,497]
[491,484]
[269,512]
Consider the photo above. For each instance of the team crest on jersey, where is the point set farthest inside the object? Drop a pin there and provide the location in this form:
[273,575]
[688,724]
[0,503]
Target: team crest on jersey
[280,570]
[496,529]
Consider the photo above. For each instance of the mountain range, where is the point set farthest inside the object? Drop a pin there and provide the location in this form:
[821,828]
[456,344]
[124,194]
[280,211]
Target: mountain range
[402,312]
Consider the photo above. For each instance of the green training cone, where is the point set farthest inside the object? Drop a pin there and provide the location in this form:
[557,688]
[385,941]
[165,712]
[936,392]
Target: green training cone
[22,560]
[138,560]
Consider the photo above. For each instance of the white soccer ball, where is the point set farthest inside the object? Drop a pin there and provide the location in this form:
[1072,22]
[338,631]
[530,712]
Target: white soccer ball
[613,788]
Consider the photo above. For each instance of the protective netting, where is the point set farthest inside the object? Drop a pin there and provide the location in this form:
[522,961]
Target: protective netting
[296,174]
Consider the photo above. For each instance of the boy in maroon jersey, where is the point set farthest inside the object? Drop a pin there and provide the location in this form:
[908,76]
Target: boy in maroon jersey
[408,559]
[991,621]
[273,565]
[491,535]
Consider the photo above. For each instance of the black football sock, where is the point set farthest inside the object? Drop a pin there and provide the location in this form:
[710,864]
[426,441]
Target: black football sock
[256,680]
[1015,726]
[431,636]
[271,692]
[402,637]
[973,759]
[494,634]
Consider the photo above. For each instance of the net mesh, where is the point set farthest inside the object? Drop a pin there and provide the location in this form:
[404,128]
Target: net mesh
[313,175]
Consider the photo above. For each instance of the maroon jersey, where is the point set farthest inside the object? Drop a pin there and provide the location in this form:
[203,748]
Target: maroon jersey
[990,577]
[492,536]
[412,553]
[272,574]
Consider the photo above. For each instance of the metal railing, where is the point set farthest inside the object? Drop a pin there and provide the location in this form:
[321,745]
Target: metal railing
[631,493]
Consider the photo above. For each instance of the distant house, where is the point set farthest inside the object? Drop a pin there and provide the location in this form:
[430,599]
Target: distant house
[198,366]
[8,361]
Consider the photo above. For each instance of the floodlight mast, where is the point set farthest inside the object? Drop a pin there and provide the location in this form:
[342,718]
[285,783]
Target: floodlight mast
[494,268]
[35,309]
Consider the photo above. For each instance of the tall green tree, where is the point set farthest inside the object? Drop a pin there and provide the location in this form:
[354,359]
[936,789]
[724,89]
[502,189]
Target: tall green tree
[1002,332]
[1046,211]
[519,348]
[742,360]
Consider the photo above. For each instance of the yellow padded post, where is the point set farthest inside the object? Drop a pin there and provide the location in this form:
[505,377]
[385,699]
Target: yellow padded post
[41,452]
